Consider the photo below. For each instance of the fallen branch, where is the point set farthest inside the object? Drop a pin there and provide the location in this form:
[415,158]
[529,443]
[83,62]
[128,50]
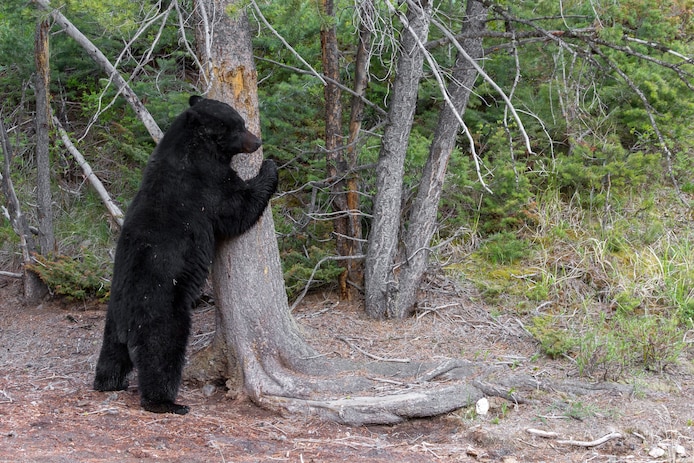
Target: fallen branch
[541,433]
[371,356]
[113,209]
[578,443]
[593,443]
[11,274]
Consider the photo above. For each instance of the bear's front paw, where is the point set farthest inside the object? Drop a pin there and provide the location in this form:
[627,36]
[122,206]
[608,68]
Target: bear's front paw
[269,168]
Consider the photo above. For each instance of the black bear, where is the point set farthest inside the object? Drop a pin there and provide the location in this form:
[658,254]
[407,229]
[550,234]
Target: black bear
[189,198]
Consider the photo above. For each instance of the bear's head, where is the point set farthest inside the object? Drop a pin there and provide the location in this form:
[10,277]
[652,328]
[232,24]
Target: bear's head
[220,123]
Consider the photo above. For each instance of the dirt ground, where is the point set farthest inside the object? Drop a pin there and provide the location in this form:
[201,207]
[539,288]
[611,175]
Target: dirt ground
[49,413]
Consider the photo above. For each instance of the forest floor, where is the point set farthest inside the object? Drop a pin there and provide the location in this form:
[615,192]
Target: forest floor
[49,412]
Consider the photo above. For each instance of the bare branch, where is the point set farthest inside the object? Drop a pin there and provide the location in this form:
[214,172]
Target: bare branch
[651,118]
[286,44]
[14,211]
[313,273]
[111,206]
[96,54]
[488,79]
[325,79]
[146,25]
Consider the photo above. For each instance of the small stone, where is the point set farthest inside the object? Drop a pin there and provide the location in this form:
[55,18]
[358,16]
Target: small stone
[482,406]
[208,390]
[656,452]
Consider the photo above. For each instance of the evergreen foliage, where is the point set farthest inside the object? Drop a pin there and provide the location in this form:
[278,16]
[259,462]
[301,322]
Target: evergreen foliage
[591,213]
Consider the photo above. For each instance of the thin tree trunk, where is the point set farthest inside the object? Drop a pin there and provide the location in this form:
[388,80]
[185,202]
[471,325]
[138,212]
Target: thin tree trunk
[422,223]
[34,288]
[380,281]
[44,198]
[334,149]
[355,268]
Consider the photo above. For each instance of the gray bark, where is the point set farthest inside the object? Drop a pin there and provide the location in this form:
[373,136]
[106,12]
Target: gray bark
[257,346]
[422,223]
[380,285]
[34,289]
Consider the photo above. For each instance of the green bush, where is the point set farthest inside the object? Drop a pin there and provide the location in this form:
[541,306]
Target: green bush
[75,278]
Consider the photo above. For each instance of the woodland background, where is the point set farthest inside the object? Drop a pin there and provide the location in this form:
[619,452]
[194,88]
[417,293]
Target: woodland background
[584,230]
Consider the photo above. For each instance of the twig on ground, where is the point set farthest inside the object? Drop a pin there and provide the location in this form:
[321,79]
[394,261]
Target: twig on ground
[593,443]
[11,274]
[577,443]
[541,433]
[371,356]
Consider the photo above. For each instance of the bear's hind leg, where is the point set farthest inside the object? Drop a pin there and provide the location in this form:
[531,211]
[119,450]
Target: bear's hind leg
[114,363]
[159,360]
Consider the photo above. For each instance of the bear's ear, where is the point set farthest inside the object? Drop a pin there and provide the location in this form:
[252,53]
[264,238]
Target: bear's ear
[194,99]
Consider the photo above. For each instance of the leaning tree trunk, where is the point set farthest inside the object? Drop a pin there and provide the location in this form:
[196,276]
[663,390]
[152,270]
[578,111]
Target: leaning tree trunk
[380,285]
[422,223]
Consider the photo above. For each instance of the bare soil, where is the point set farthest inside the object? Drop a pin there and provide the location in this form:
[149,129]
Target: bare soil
[49,413]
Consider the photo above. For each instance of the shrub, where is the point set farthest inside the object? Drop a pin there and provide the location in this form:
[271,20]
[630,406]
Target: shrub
[75,278]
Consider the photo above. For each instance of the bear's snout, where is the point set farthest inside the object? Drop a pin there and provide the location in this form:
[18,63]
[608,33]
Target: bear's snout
[250,142]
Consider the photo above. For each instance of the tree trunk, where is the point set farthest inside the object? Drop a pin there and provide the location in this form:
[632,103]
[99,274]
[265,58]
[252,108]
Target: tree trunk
[334,149]
[43,166]
[380,282]
[422,223]
[34,288]
[355,267]
[257,346]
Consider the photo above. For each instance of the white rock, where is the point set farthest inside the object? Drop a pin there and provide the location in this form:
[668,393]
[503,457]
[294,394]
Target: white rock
[482,406]
[656,452]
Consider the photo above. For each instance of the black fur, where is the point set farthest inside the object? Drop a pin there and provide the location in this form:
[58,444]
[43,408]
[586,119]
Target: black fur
[189,198]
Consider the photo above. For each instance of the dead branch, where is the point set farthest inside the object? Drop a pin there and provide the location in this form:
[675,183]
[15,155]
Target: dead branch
[96,54]
[577,443]
[111,206]
[371,356]
[11,274]
[592,443]
[14,210]
[313,273]
[541,433]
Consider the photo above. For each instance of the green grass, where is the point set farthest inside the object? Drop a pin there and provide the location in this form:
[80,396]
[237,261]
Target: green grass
[611,291]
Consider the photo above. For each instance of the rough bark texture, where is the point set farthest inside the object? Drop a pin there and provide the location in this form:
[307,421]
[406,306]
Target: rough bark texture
[422,223]
[260,341]
[43,166]
[380,281]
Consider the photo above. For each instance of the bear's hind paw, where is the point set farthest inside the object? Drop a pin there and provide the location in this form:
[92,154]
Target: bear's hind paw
[166,407]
